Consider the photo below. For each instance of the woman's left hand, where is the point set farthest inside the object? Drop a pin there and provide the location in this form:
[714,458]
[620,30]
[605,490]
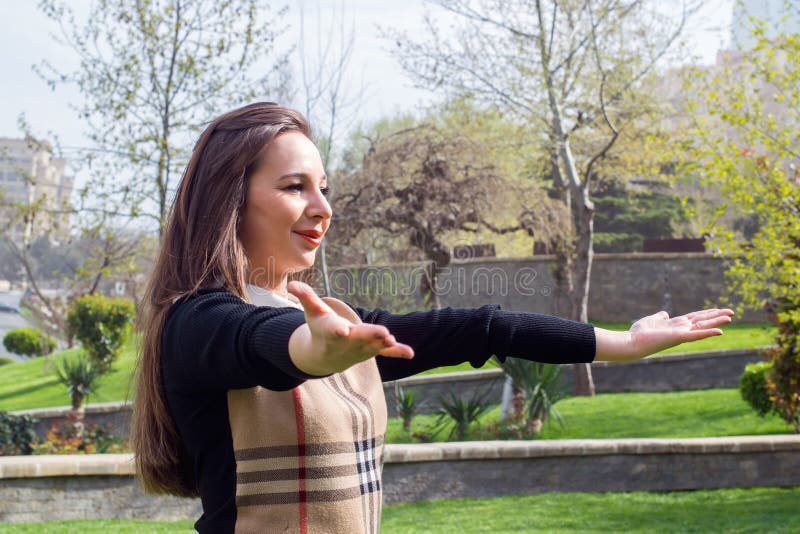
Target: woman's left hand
[657,332]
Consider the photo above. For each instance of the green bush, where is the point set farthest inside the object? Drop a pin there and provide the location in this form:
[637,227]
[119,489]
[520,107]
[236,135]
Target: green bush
[16,434]
[102,325]
[753,387]
[28,341]
[5,361]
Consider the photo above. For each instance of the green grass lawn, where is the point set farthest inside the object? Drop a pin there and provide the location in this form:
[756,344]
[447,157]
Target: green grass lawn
[682,414]
[727,511]
[737,336]
[25,385]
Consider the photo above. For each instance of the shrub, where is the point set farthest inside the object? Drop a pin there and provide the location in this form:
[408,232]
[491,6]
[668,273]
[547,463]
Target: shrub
[538,387]
[101,324]
[80,375]
[28,341]
[407,404]
[5,361]
[783,382]
[62,438]
[16,434]
[753,387]
[462,412]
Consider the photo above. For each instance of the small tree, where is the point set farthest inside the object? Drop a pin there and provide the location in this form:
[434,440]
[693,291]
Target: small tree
[102,325]
[80,376]
[28,342]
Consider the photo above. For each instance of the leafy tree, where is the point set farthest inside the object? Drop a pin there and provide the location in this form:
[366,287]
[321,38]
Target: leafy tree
[579,72]
[102,325]
[747,118]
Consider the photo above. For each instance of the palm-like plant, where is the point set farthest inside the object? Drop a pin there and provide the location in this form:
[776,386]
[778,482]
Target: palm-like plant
[462,412]
[407,404]
[81,376]
[540,384]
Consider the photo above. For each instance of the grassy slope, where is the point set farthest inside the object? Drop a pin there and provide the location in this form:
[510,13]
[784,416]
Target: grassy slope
[25,385]
[685,414]
[727,511]
[737,336]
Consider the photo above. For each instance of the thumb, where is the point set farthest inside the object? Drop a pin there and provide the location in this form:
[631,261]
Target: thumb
[312,304]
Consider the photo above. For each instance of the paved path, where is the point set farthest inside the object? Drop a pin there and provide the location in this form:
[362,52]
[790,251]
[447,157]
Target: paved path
[9,321]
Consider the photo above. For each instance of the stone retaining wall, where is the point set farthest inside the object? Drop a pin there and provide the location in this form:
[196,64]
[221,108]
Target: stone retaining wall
[675,372]
[44,488]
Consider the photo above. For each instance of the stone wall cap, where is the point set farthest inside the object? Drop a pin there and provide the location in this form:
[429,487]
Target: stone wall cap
[123,464]
[58,465]
[481,450]
[62,411]
[440,378]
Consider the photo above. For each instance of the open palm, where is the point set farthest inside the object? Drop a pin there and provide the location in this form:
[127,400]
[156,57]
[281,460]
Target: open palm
[658,332]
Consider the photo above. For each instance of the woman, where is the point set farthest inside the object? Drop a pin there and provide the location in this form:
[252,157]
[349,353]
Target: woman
[265,400]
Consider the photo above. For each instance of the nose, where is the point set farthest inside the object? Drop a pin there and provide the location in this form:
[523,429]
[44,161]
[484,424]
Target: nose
[318,206]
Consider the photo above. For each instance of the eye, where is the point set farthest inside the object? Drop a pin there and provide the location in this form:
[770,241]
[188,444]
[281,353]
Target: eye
[325,191]
[294,187]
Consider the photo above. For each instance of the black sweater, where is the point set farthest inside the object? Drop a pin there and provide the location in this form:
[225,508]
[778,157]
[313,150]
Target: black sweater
[214,342]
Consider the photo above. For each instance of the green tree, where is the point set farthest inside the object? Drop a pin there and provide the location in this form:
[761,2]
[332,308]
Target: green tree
[625,218]
[578,72]
[746,124]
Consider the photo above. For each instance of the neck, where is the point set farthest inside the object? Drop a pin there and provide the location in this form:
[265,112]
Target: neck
[277,285]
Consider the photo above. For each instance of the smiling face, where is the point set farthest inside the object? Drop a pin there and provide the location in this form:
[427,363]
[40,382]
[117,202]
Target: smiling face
[286,212]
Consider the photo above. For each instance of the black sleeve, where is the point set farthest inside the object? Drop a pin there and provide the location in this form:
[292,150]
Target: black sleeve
[450,336]
[216,341]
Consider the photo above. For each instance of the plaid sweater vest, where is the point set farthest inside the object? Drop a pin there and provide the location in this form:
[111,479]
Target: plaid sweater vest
[308,459]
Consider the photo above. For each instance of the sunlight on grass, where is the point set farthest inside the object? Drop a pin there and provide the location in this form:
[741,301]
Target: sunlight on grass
[681,414]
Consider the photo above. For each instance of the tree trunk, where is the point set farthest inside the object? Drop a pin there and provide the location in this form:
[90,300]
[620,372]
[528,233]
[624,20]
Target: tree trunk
[584,254]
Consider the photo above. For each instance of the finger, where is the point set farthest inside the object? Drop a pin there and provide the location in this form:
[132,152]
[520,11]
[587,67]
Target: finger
[398,350]
[312,304]
[694,335]
[711,323]
[707,314]
[369,332]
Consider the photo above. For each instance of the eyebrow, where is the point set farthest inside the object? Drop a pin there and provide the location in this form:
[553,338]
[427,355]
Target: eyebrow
[303,176]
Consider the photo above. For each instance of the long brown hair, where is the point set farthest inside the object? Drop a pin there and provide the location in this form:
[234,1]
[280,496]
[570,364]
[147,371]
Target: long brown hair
[200,248]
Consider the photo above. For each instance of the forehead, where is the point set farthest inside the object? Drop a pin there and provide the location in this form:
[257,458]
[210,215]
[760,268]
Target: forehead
[292,152]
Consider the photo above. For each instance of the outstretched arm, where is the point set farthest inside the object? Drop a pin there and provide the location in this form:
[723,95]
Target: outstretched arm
[657,332]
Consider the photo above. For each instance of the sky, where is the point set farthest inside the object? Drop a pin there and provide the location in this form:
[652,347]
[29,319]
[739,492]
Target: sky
[25,40]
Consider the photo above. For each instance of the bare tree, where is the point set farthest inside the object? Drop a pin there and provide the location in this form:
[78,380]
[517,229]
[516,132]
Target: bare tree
[150,73]
[577,70]
[422,183]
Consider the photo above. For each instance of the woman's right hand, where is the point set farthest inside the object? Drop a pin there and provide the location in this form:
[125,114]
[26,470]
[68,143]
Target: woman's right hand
[329,343]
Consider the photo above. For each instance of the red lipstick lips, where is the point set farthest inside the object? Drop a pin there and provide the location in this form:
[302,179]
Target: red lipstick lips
[312,236]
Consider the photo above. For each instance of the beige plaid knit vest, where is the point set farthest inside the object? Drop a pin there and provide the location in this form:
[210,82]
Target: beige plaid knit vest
[308,459]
